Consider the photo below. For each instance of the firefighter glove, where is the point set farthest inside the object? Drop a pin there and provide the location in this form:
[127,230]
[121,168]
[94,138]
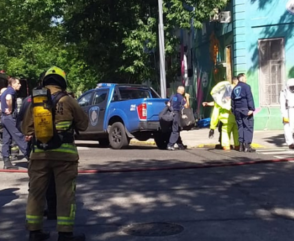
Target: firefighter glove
[211,133]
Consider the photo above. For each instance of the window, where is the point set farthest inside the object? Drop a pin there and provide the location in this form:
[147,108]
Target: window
[271,64]
[100,96]
[131,92]
[85,100]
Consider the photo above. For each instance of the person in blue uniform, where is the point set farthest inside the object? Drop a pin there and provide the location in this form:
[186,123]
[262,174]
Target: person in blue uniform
[177,102]
[8,119]
[243,108]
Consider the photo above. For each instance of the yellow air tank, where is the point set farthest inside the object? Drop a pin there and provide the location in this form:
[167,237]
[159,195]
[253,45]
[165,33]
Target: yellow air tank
[42,115]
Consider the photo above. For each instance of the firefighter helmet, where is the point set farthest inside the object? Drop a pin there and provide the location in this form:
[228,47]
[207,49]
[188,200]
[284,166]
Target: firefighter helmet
[55,76]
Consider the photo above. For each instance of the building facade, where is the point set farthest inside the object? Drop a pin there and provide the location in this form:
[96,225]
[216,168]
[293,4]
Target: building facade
[258,41]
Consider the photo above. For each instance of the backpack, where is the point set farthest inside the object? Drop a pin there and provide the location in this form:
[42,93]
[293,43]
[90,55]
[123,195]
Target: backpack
[59,137]
[166,117]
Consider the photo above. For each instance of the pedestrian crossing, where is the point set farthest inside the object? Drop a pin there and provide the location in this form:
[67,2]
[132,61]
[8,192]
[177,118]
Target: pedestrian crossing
[279,153]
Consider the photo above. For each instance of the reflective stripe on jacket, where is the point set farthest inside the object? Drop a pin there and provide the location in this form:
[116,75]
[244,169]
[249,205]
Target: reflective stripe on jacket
[65,147]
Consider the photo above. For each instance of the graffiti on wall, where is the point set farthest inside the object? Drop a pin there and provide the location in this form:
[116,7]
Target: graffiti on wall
[214,48]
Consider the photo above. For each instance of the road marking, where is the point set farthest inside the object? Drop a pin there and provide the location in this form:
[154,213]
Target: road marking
[81,148]
[278,153]
[273,149]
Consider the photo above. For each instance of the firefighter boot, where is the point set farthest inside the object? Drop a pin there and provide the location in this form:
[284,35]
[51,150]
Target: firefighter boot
[8,164]
[38,236]
[71,237]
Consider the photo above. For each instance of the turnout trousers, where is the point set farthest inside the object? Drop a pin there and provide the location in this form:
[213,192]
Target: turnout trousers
[40,173]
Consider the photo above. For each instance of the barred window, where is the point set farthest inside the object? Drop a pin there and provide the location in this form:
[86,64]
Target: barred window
[271,69]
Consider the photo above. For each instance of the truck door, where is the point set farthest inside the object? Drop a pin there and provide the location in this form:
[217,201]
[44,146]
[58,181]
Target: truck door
[97,110]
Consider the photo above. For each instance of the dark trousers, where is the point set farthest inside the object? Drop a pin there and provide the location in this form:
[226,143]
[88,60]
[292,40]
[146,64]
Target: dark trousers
[10,132]
[245,127]
[175,135]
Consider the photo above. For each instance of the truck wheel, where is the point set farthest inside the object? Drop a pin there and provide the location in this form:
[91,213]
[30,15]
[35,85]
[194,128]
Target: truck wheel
[117,136]
[161,139]
[103,142]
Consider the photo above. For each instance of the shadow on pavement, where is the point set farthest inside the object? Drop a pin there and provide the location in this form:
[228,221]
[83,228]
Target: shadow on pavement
[278,140]
[203,201]
[7,195]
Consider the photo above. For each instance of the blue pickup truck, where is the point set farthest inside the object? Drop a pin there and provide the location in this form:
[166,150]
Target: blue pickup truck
[119,112]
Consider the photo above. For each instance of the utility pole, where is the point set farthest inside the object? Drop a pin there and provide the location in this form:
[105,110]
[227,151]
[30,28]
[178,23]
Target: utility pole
[161,51]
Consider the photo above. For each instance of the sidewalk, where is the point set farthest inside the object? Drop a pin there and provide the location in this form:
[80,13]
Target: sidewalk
[199,138]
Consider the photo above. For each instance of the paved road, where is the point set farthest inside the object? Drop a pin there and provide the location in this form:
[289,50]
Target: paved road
[246,202]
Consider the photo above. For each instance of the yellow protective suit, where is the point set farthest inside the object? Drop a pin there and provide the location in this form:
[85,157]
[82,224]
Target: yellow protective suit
[226,117]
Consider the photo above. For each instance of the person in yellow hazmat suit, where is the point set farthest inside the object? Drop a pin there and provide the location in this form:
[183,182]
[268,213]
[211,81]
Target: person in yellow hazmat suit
[221,94]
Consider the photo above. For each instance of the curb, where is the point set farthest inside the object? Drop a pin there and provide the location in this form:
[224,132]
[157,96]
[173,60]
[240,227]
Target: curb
[169,168]
[148,143]
[210,145]
[254,145]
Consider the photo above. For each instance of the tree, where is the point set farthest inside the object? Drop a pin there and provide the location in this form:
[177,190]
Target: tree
[120,37]
[94,40]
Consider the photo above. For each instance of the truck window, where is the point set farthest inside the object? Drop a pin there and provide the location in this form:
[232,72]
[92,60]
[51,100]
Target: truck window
[85,100]
[128,93]
[100,96]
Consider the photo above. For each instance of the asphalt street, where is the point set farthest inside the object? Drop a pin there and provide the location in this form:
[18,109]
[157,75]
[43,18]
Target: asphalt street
[154,195]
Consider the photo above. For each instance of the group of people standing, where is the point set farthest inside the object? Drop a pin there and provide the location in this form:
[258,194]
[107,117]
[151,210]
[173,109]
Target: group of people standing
[233,113]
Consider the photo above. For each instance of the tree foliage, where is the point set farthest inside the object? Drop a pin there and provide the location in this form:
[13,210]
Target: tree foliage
[93,40]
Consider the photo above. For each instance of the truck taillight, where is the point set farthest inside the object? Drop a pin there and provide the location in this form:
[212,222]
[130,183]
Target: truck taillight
[142,111]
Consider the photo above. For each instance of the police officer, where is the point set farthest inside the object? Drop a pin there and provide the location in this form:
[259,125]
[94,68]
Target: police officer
[62,161]
[8,119]
[177,102]
[243,108]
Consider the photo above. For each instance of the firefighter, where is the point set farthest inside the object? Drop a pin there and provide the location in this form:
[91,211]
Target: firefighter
[62,161]
[50,211]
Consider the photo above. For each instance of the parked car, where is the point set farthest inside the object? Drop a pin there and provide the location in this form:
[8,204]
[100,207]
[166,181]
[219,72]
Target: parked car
[119,112]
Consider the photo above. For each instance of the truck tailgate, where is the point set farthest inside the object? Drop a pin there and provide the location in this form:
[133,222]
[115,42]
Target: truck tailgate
[154,107]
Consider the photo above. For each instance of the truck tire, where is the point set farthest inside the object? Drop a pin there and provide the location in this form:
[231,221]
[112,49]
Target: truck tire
[103,142]
[117,136]
[161,139]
